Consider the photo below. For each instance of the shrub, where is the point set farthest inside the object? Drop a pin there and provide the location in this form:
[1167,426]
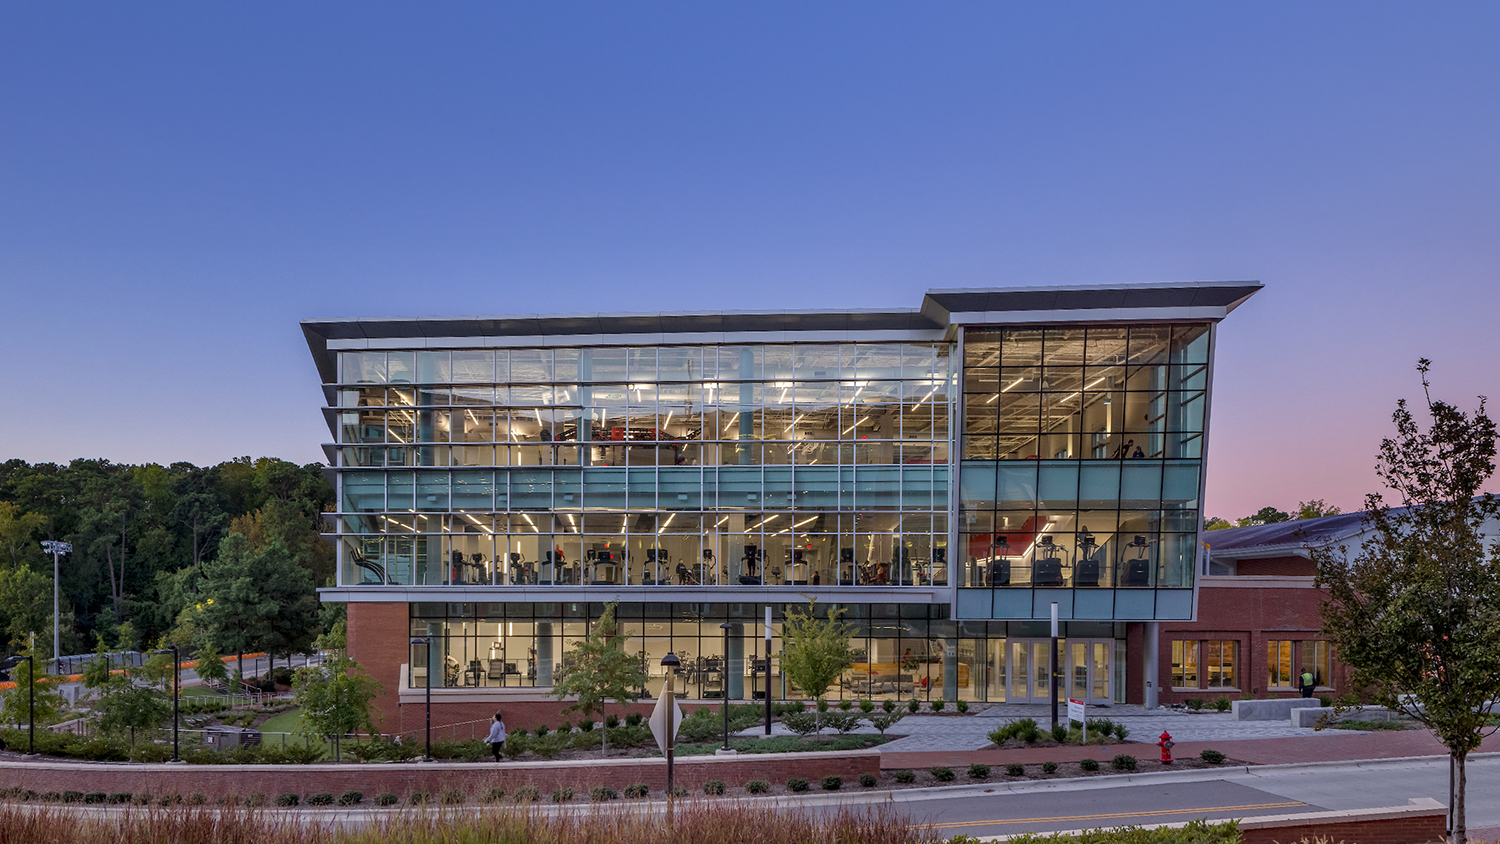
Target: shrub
[1323,700]
[867,706]
[801,723]
[1015,770]
[845,705]
[452,797]
[796,784]
[1049,767]
[541,730]
[1059,732]
[1030,733]
[286,799]
[54,796]
[1194,703]
[831,783]
[1123,762]
[636,790]
[603,794]
[586,725]
[888,705]
[679,791]
[1089,764]
[565,727]
[868,780]
[72,797]
[713,788]
[979,772]
[905,776]
[100,797]
[351,798]
[527,794]
[913,705]
[1121,731]
[633,719]
[322,798]
[1212,757]
[842,722]
[416,798]
[385,798]
[255,800]
[942,774]
[757,786]
[562,794]
[1223,704]
[937,705]
[119,797]
[963,706]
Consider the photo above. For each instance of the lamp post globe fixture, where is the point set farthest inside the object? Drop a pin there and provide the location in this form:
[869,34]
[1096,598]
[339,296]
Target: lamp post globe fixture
[176,692]
[56,549]
[427,640]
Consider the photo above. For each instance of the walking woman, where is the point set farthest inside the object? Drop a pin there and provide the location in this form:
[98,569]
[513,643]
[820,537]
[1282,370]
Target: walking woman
[496,737]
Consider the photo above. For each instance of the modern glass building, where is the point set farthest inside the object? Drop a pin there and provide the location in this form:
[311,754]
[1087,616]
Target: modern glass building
[944,474]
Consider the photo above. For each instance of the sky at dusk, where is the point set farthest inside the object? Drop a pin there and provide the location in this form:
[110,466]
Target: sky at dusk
[180,184]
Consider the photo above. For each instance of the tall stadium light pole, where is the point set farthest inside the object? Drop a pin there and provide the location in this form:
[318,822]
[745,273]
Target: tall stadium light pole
[427,640]
[56,549]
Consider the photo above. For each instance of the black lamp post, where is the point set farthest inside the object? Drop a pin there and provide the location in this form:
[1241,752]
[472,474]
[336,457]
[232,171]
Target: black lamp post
[427,640]
[176,692]
[726,626]
[670,662]
[31,705]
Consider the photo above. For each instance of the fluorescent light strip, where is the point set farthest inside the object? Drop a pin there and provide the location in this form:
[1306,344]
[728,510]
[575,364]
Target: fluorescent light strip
[856,424]
[806,521]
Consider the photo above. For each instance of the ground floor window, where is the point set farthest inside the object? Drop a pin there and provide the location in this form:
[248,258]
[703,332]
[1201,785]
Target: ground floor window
[1316,661]
[1279,665]
[1220,661]
[901,651]
[1184,664]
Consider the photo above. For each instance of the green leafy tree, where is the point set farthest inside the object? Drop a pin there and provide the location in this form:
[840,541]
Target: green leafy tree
[18,532]
[599,670]
[211,665]
[25,603]
[1216,523]
[257,600]
[29,675]
[120,703]
[335,699]
[1263,516]
[1315,509]
[1415,614]
[815,650]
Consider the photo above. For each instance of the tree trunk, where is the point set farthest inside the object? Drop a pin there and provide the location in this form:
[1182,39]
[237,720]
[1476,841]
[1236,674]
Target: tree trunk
[120,593]
[1460,833]
[603,732]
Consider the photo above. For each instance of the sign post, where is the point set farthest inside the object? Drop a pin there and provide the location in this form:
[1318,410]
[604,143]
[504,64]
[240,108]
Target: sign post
[666,718]
[1075,713]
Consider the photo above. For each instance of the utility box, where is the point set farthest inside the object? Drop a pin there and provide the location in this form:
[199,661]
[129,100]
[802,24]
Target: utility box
[224,737]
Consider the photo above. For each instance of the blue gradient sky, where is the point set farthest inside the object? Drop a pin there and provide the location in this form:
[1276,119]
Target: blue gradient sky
[181,183]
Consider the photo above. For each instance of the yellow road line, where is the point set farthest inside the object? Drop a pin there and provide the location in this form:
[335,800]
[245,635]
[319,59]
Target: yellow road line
[1287,805]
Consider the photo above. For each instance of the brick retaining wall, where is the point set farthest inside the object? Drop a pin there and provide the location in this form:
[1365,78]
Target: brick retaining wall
[403,778]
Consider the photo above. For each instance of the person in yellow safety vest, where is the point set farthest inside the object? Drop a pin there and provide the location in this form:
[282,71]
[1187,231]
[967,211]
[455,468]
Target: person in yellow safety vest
[1307,683]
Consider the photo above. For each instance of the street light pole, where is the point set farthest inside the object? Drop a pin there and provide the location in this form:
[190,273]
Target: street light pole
[670,662]
[726,627]
[427,640]
[56,549]
[768,669]
[1052,664]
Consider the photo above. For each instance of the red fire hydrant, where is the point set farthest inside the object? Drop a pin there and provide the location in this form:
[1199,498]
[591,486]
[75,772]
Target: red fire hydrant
[1166,747]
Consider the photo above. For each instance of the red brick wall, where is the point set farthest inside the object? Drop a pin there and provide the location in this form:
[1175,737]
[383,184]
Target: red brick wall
[372,779]
[1276,567]
[1252,617]
[379,640]
[1408,830]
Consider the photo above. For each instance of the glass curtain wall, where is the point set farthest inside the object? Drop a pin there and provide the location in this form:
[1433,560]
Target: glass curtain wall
[1081,453]
[799,464]
[901,651]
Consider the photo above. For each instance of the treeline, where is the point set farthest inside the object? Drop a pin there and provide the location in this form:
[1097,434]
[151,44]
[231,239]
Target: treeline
[225,555]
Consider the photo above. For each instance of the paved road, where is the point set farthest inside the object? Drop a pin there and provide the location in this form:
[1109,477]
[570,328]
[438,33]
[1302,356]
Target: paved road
[1178,796]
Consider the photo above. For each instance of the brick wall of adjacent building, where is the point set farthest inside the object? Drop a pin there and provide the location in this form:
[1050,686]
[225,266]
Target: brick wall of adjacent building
[379,637]
[1419,829]
[1276,567]
[1252,617]
[475,779]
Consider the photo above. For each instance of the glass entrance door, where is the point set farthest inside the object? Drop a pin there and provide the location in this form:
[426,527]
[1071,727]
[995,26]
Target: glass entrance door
[1026,671]
[1089,670]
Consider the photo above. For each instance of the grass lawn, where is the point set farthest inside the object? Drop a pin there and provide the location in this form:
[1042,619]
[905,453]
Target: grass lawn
[286,722]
